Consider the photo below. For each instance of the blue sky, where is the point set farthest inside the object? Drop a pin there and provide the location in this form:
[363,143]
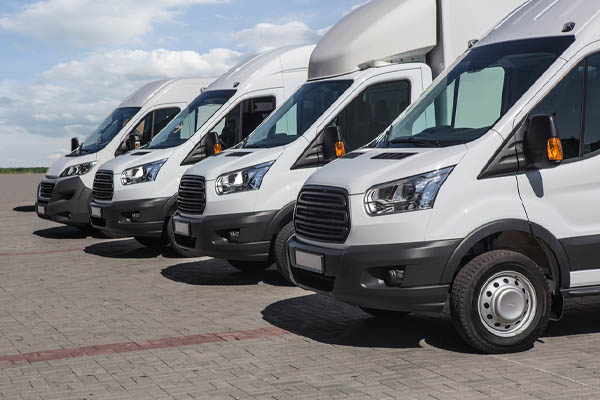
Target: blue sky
[67,63]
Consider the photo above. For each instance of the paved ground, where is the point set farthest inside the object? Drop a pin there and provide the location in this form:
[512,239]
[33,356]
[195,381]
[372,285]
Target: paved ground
[93,318]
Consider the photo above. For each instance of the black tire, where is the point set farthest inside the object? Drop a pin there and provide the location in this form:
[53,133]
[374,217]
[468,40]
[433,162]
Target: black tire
[280,251]
[385,314]
[250,266]
[171,238]
[465,302]
[151,242]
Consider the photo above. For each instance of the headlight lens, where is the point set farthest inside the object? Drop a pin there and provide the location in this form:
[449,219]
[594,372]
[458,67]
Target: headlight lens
[243,180]
[142,173]
[79,169]
[405,195]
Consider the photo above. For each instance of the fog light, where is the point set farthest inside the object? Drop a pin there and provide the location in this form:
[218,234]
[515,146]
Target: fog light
[393,277]
[135,216]
[234,236]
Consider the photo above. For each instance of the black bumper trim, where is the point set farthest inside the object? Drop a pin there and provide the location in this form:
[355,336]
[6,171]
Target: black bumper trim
[209,235]
[116,217]
[349,274]
[68,204]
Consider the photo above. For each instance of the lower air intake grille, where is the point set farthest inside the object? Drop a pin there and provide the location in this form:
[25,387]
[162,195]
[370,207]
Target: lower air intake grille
[191,198]
[322,214]
[103,186]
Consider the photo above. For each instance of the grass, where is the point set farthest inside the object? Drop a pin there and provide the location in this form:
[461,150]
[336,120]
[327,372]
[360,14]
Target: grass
[35,170]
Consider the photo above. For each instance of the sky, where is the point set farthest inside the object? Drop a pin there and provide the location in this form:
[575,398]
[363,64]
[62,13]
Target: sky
[66,64]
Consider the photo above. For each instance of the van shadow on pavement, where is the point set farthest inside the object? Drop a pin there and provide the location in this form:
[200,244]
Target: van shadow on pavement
[67,232]
[122,249]
[327,320]
[212,272]
[24,209]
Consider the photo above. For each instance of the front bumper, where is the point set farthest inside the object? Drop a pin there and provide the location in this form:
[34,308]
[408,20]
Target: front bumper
[211,235]
[68,203]
[120,217]
[354,274]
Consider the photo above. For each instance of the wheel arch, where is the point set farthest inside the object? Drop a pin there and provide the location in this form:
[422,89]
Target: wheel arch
[556,257]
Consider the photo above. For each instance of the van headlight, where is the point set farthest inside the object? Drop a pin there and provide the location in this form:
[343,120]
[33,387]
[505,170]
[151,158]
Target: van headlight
[242,180]
[79,169]
[142,173]
[406,195]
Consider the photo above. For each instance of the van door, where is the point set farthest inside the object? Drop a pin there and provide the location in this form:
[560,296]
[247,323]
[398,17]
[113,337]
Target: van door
[565,199]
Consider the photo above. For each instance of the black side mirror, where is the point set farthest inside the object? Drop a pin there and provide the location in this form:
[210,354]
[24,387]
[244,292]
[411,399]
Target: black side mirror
[542,145]
[213,145]
[333,145]
[74,144]
[134,141]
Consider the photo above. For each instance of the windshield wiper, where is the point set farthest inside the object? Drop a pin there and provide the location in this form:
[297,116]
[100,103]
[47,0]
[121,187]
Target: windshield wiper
[416,141]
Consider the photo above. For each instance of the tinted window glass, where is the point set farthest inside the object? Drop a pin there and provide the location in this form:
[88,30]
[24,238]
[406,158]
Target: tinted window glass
[592,116]
[564,103]
[162,118]
[144,129]
[371,112]
[297,114]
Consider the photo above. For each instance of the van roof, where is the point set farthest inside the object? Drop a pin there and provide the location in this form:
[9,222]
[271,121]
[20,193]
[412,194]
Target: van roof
[545,18]
[279,60]
[149,90]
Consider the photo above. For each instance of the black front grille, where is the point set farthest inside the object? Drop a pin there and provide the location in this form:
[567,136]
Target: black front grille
[322,214]
[313,280]
[191,198]
[46,190]
[103,186]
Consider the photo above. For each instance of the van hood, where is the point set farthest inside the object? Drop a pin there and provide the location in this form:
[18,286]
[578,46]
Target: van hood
[65,161]
[135,159]
[372,167]
[233,160]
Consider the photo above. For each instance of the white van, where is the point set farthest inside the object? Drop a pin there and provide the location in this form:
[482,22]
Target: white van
[65,193]
[356,89]
[484,192]
[135,195]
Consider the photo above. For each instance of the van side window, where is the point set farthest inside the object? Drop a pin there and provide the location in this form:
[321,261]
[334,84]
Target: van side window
[162,118]
[243,120]
[591,143]
[371,112]
[564,102]
[144,129]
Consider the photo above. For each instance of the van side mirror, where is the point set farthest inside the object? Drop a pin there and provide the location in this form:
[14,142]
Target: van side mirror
[333,145]
[542,145]
[74,144]
[213,145]
[134,141]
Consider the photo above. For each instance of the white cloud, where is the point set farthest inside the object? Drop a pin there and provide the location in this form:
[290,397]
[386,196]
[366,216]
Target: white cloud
[267,36]
[94,21]
[70,99]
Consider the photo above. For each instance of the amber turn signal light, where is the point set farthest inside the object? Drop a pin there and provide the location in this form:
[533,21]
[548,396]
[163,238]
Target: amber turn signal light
[217,148]
[555,150]
[340,150]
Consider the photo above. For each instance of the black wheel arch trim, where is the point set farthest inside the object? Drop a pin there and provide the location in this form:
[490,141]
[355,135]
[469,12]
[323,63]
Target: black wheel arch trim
[279,220]
[169,208]
[552,244]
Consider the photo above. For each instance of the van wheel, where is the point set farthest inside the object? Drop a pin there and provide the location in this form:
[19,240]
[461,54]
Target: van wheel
[250,266]
[152,242]
[280,251]
[171,237]
[384,314]
[500,302]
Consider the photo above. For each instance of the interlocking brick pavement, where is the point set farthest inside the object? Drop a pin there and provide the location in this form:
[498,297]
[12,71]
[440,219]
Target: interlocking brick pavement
[62,290]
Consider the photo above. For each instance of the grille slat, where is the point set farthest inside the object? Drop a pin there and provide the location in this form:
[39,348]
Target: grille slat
[191,198]
[46,190]
[103,188]
[323,214]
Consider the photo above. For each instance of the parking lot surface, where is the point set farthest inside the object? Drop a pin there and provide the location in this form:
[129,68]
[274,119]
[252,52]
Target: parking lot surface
[86,317]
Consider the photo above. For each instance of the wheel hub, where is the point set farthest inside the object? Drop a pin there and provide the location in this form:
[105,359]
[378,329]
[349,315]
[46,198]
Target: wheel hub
[507,304]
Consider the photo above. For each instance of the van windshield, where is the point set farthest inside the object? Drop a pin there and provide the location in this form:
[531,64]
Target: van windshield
[108,129]
[187,123]
[468,101]
[297,114]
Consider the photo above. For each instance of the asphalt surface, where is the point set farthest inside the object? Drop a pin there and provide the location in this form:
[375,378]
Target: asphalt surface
[86,317]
